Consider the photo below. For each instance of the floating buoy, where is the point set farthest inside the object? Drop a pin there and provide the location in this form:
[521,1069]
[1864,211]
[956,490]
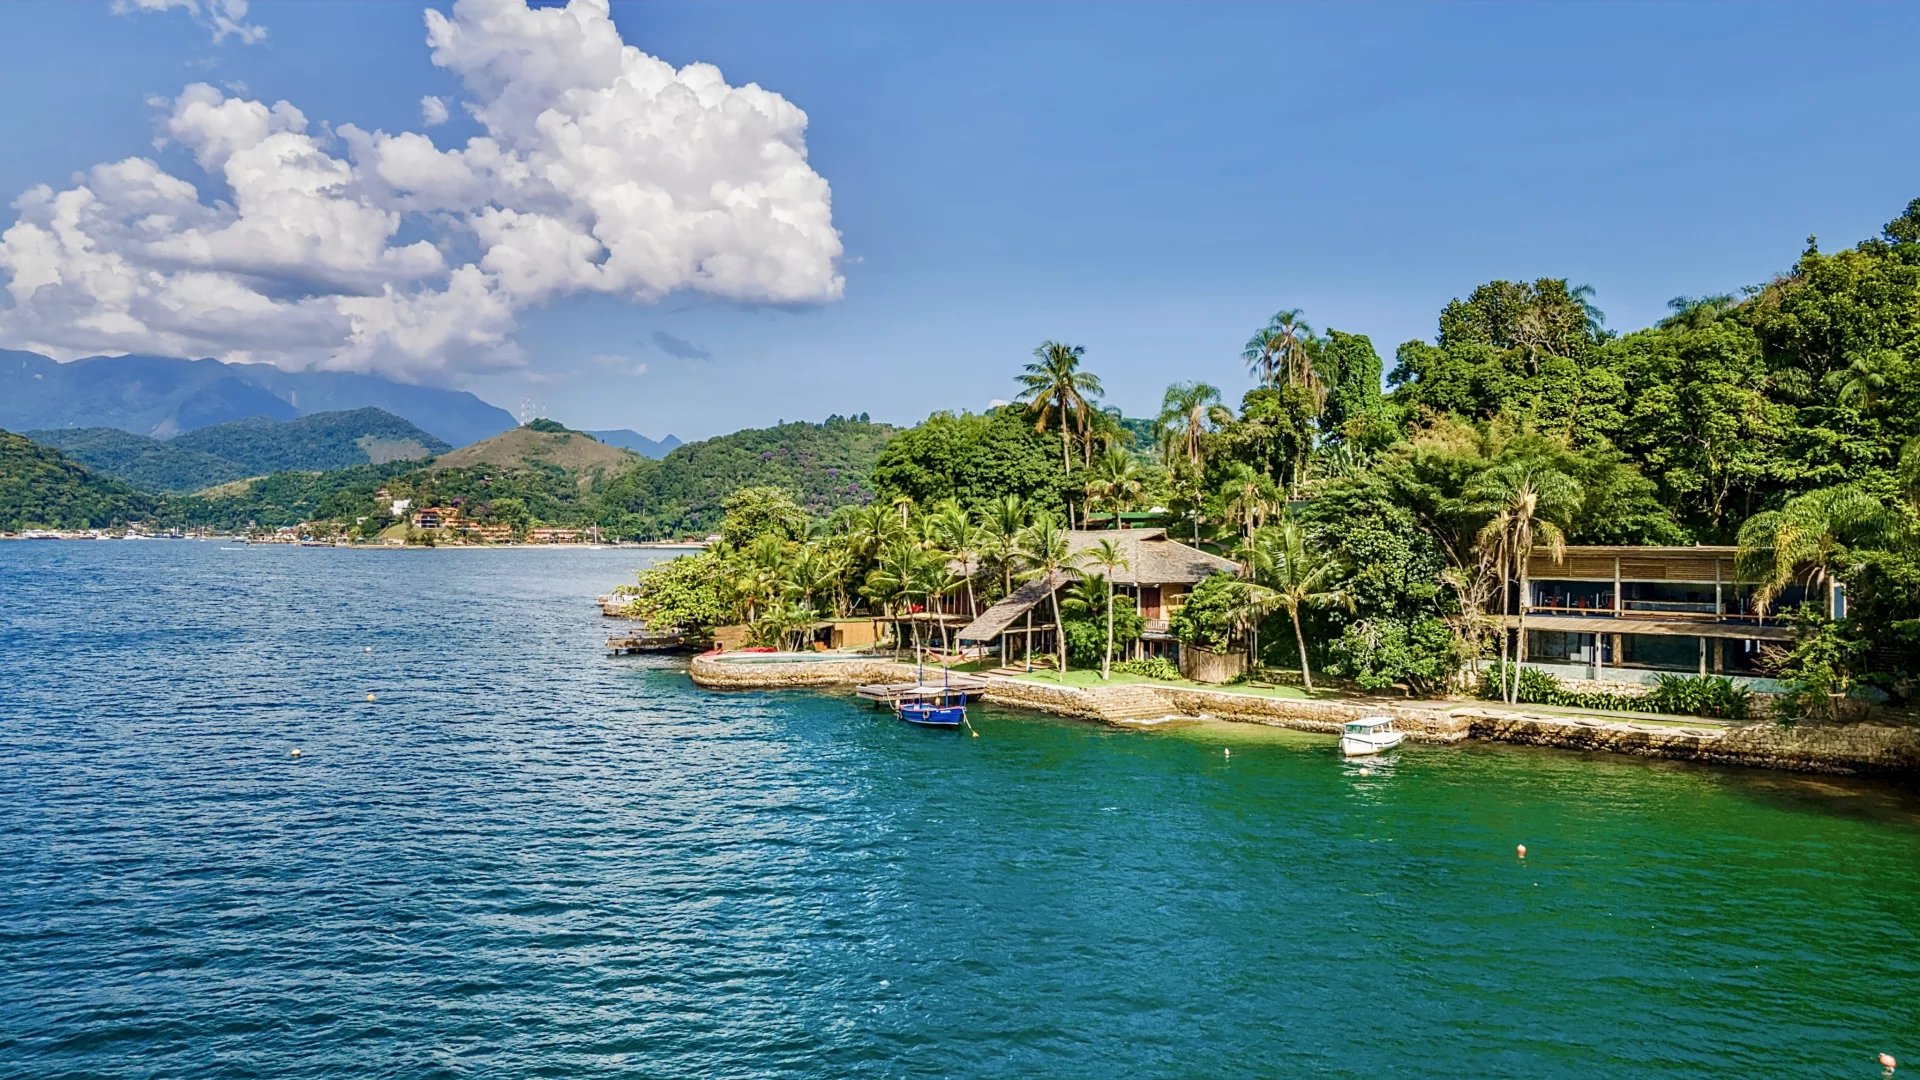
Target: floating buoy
[1887,1063]
[369,695]
[369,648]
[296,752]
[1226,751]
[1522,849]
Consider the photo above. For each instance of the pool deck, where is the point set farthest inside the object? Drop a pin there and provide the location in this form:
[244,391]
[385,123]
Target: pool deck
[1838,749]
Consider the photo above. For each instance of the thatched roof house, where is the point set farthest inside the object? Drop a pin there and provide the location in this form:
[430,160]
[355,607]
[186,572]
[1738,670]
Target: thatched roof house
[1160,571]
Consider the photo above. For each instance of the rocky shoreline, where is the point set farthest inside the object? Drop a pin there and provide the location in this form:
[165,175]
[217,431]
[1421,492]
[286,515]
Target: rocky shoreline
[1854,749]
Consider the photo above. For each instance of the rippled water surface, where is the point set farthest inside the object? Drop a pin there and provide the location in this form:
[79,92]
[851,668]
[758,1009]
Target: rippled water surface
[528,859]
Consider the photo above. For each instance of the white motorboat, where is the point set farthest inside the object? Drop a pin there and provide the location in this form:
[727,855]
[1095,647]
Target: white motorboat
[1370,735]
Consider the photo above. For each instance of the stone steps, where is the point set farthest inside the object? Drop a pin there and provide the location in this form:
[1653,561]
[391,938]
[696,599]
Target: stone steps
[1133,702]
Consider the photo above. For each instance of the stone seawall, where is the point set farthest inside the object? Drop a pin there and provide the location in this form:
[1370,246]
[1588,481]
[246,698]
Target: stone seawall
[1853,749]
[718,673]
[1059,700]
[1326,717]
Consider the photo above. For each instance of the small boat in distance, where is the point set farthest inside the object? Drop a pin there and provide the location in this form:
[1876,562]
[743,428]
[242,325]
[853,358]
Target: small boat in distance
[1370,735]
[936,709]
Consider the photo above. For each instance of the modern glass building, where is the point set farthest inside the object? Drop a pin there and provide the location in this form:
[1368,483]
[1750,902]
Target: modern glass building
[1622,614]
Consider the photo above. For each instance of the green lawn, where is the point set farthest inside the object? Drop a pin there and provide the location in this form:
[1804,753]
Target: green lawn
[1091,677]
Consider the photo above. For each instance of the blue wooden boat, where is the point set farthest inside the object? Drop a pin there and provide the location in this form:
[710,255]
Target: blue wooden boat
[946,710]
[928,707]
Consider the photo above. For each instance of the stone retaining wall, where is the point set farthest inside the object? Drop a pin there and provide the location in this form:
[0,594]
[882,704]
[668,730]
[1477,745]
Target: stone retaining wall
[714,673]
[1850,749]
[1059,700]
[1327,717]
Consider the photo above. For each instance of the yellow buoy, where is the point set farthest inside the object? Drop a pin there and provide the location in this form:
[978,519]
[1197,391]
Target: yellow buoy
[369,696]
[1522,849]
[296,751]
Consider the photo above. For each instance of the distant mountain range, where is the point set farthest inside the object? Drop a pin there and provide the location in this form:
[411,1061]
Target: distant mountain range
[330,466]
[628,439]
[164,397]
[214,455]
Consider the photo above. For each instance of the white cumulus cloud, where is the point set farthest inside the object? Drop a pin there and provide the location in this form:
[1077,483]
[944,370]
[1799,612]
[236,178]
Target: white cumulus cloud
[433,111]
[599,169]
[226,18]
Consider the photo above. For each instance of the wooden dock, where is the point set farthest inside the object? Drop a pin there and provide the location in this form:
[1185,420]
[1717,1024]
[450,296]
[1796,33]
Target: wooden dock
[891,694]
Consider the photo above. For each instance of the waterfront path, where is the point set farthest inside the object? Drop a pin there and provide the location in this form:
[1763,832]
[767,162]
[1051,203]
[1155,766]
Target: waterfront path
[1842,749]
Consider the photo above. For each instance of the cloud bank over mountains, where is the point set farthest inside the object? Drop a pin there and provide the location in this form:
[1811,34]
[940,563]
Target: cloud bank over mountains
[600,169]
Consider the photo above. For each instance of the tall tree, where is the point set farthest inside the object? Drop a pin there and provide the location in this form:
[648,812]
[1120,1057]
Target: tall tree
[962,540]
[1295,574]
[1810,540]
[1108,556]
[1529,505]
[1278,353]
[1044,549]
[1189,412]
[1117,482]
[1246,497]
[1057,392]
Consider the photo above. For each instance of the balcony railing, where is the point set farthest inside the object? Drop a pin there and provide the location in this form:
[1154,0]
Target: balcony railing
[1653,609]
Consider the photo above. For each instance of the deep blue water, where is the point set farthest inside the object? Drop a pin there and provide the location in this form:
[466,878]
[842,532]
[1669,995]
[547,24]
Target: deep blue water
[528,859]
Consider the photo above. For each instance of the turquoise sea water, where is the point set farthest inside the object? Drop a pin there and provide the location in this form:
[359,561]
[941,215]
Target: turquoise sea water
[528,859]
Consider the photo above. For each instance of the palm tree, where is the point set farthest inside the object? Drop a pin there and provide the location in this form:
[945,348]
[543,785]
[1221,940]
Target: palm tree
[757,581]
[1246,495]
[1807,540]
[1002,523]
[1294,574]
[1056,391]
[1278,355]
[1044,548]
[1189,412]
[1582,297]
[1694,312]
[897,577]
[956,534]
[1108,556]
[1117,482]
[1528,504]
[808,573]
[1103,429]
[1866,379]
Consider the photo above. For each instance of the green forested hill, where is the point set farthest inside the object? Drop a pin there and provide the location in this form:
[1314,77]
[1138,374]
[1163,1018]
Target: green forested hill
[141,460]
[254,447]
[42,488]
[823,465]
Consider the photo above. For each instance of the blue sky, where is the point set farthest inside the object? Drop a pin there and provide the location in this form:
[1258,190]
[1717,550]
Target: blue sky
[1150,181]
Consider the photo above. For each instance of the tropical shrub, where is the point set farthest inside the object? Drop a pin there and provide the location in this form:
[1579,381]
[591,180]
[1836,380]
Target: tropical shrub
[1381,653]
[1817,671]
[1152,667]
[1087,634]
[1709,696]
[683,592]
[1699,695]
[1207,618]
